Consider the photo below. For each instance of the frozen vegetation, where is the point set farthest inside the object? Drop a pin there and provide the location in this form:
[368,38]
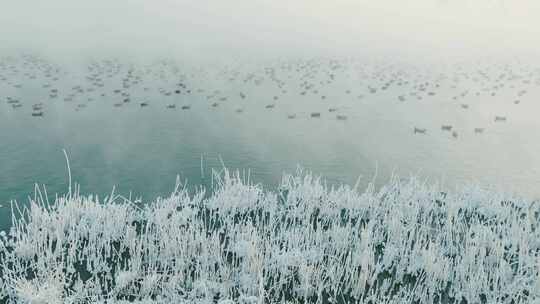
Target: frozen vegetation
[407,242]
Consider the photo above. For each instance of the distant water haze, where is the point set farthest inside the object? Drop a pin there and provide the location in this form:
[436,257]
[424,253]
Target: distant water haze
[460,63]
[417,29]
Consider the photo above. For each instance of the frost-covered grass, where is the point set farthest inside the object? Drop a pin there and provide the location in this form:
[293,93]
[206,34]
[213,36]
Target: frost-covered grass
[305,243]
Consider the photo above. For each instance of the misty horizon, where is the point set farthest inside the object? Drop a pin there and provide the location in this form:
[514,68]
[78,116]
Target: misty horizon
[257,29]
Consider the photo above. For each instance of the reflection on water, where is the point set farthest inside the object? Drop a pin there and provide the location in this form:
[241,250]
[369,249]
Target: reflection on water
[138,126]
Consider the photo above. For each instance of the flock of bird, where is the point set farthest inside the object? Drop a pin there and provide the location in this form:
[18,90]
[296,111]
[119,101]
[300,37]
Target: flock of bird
[122,84]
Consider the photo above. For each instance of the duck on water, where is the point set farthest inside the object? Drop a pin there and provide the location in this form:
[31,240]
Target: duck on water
[420,130]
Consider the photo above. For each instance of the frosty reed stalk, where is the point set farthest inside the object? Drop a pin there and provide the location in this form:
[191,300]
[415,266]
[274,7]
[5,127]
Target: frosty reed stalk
[407,242]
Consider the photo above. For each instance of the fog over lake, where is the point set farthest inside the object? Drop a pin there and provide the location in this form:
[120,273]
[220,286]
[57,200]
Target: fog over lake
[138,92]
[267,151]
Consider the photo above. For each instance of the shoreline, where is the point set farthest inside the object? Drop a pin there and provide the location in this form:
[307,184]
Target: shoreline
[304,241]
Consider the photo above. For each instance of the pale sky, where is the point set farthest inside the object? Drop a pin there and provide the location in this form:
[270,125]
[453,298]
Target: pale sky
[271,26]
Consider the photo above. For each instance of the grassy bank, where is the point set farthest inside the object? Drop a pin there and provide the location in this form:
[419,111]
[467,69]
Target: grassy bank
[407,242]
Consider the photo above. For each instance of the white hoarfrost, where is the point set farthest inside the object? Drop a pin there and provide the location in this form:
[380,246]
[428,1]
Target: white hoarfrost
[408,242]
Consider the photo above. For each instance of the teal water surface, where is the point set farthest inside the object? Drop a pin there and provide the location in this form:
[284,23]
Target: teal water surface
[341,119]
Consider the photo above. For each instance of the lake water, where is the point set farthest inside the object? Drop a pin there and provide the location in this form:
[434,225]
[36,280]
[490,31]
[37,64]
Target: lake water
[142,149]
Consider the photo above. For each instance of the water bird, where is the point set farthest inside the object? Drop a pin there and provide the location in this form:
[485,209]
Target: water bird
[171,106]
[239,110]
[332,109]
[341,117]
[516,101]
[270,106]
[478,130]
[455,134]
[215,104]
[291,116]
[186,107]
[36,114]
[420,130]
[464,106]
[500,118]
[144,104]
[316,114]
[446,127]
